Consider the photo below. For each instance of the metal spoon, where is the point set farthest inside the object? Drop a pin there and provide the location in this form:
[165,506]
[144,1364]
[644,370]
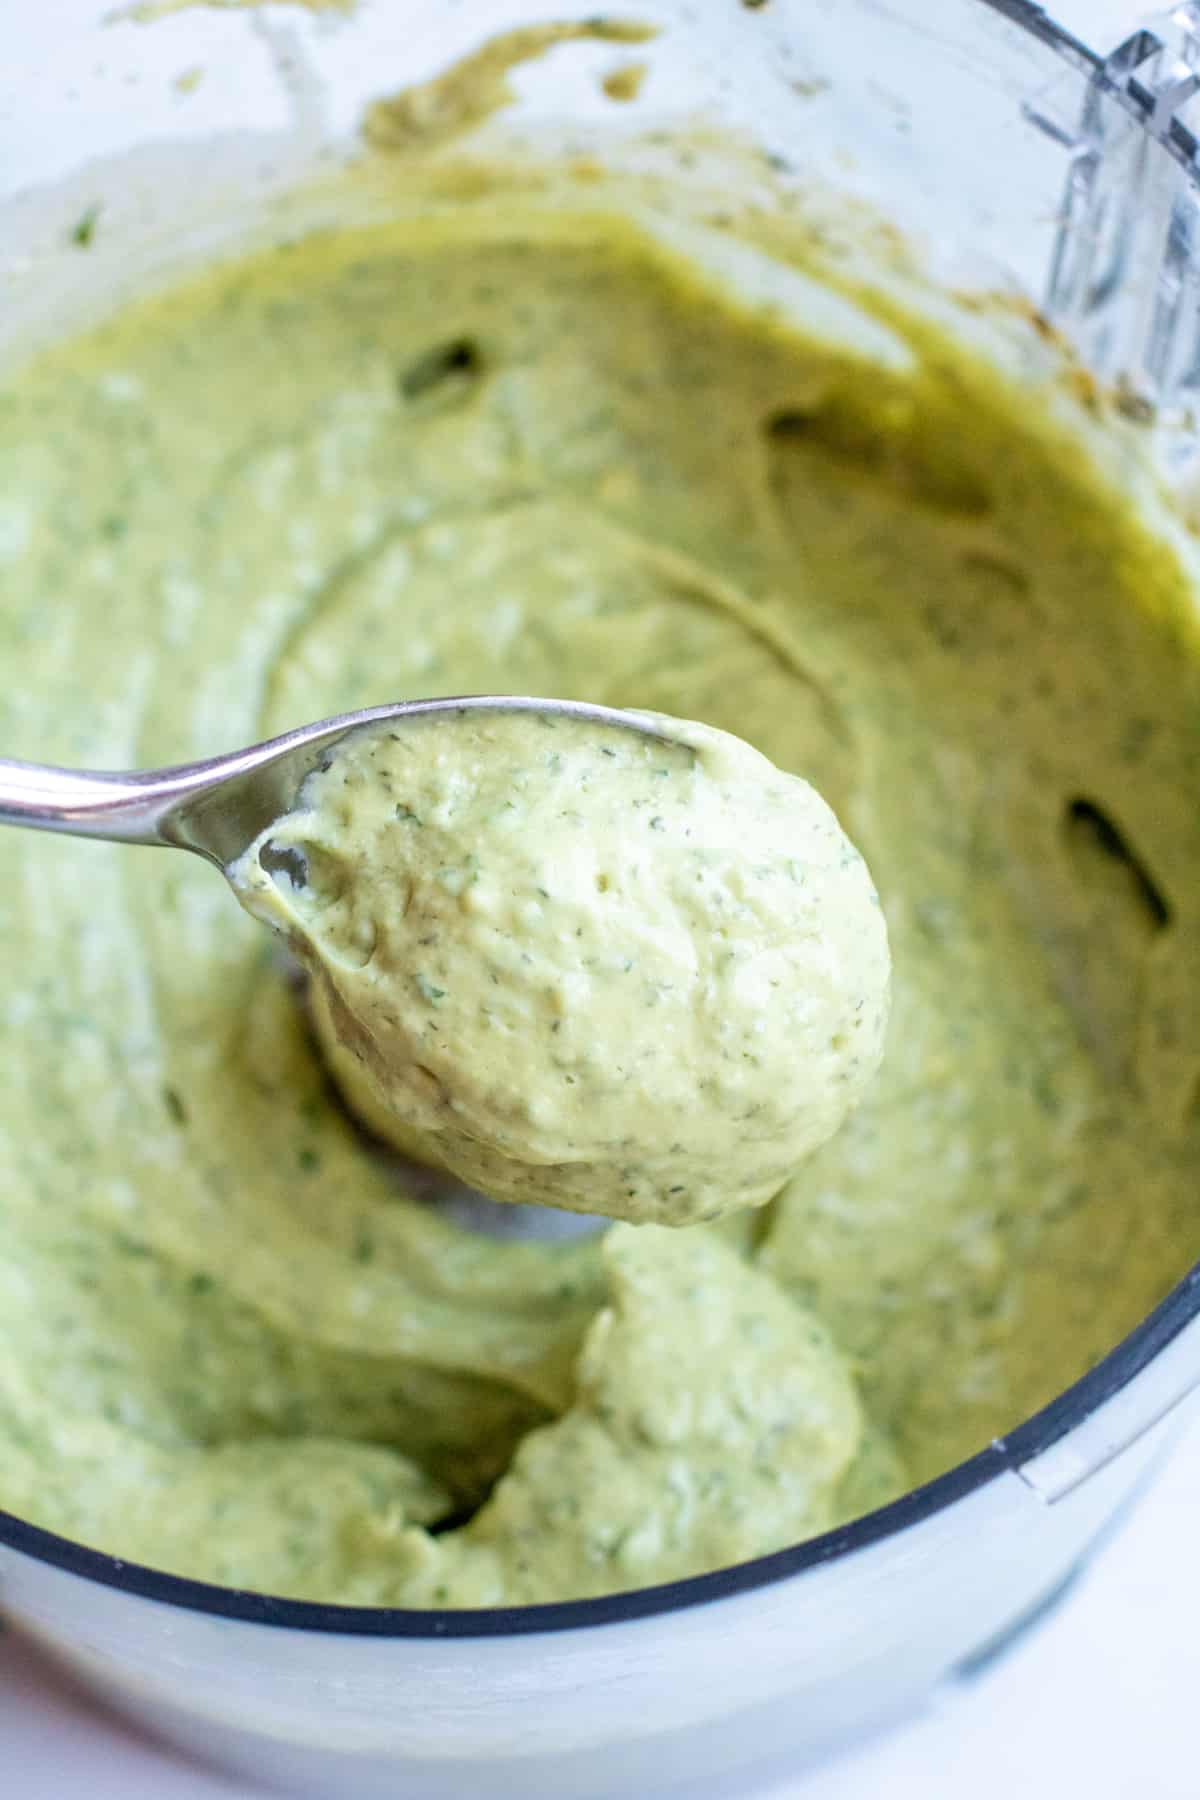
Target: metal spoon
[218,807]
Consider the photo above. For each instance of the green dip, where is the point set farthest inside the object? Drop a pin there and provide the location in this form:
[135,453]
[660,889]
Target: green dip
[520,447]
[579,966]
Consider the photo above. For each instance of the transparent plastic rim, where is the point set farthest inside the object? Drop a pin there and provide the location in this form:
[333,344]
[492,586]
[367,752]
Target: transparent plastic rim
[1061,1416]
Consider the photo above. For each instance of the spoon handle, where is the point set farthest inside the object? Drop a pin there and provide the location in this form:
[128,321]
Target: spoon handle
[128,807]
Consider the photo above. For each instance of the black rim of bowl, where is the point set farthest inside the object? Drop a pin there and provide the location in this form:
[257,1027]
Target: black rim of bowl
[1114,1372]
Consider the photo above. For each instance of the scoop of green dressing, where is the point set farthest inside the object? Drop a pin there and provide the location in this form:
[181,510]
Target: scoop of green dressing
[579,967]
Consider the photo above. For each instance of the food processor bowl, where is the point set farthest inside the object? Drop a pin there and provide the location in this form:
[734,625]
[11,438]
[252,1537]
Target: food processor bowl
[1013,158]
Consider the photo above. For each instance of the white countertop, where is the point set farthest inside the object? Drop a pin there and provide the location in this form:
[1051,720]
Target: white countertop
[1099,1701]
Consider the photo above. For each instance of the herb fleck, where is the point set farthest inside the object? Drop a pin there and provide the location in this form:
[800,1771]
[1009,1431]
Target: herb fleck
[84,229]
[173,1102]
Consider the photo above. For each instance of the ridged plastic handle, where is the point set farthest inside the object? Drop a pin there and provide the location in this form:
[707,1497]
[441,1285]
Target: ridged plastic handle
[1124,280]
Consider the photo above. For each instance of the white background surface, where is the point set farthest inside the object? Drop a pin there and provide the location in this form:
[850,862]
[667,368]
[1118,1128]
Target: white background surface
[1101,1701]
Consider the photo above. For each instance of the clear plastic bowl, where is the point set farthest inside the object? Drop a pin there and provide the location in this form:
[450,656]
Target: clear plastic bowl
[1012,155]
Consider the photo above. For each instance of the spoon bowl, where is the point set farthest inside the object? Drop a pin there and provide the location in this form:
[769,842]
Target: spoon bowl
[218,807]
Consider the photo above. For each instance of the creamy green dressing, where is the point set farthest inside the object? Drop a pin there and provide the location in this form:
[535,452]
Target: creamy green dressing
[510,448]
[580,966]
